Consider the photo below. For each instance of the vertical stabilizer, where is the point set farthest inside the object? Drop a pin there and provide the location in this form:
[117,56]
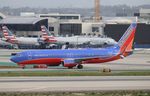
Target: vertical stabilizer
[126,41]
[8,35]
[46,35]
[45,31]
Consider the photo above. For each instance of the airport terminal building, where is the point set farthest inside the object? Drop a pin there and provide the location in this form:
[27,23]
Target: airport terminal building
[71,24]
[24,26]
[28,24]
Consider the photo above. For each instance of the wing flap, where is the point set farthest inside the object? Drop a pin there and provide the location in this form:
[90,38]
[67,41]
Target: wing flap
[78,60]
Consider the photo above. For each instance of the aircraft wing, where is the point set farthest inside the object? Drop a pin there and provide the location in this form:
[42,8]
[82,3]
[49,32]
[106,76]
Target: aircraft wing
[77,60]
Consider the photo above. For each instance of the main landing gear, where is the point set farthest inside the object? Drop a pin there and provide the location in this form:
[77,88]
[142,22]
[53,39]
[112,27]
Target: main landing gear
[22,66]
[80,66]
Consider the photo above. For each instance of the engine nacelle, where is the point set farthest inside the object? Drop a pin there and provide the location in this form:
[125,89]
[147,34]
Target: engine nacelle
[40,66]
[41,41]
[70,63]
[105,44]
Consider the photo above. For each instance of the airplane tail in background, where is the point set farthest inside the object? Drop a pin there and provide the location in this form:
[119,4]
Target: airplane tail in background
[126,41]
[46,35]
[8,35]
[45,31]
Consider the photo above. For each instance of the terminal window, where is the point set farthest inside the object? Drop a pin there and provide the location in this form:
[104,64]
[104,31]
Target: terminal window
[95,29]
[1,17]
[70,29]
[51,28]
[69,17]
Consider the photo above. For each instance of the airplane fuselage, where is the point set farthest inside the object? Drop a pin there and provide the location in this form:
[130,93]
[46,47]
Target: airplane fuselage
[52,57]
[76,40]
[27,41]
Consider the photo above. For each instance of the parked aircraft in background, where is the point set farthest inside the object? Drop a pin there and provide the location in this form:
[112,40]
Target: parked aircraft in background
[76,40]
[48,40]
[76,57]
[9,37]
[7,45]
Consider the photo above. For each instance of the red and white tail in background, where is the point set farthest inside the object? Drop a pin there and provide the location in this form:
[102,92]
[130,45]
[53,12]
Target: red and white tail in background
[126,41]
[9,37]
[46,35]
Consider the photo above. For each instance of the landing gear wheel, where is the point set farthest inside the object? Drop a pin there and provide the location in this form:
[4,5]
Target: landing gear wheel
[23,67]
[106,70]
[80,66]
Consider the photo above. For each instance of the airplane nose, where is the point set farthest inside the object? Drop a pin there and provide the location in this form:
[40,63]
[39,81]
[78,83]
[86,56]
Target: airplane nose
[13,59]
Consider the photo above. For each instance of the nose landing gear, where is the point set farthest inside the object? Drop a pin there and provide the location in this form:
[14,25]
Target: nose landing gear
[22,66]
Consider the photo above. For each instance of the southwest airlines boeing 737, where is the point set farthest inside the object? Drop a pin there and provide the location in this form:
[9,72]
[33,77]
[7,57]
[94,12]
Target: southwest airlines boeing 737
[77,57]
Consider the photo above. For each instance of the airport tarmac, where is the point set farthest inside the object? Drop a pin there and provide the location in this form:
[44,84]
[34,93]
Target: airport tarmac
[88,83]
[138,61]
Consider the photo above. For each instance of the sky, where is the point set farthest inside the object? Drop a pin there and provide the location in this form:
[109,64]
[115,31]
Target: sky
[67,3]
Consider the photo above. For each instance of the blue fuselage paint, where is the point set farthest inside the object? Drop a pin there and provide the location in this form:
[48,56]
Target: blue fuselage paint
[63,54]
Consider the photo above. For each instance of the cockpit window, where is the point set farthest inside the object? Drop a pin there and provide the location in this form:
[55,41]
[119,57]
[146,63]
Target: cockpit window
[18,55]
[15,54]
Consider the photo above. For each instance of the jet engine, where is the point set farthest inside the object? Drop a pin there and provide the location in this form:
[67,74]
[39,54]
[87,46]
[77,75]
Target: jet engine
[69,63]
[105,44]
[41,41]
